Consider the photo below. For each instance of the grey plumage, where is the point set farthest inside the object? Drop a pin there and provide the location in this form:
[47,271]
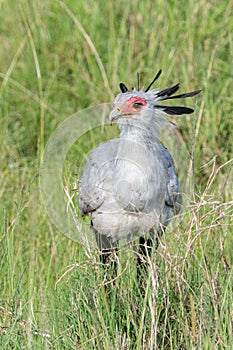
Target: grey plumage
[129,184]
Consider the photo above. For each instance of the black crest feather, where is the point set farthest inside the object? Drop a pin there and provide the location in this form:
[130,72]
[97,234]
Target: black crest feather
[167,94]
[175,110]
[168,91]
[123,87]
[186,94]
[155,78]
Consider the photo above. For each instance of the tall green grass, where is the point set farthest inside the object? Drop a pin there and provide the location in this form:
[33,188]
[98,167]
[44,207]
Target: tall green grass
[57,58]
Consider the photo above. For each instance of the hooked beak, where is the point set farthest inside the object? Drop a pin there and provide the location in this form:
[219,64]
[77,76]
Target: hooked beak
[116,114]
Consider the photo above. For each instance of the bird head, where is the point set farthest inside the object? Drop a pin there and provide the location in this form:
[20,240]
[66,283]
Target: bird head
[135,105]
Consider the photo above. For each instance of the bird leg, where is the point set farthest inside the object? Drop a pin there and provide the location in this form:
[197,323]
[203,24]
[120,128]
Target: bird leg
[105,245]
[144,250]
[107,258]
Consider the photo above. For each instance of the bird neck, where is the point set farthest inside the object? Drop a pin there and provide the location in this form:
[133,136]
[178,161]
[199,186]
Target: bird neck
[138,132]
[147,128]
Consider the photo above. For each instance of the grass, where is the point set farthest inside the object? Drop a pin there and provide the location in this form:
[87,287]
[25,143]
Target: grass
[57,58]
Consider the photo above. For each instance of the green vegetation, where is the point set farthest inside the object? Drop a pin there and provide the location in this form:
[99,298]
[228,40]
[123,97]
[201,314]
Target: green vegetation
[57,58]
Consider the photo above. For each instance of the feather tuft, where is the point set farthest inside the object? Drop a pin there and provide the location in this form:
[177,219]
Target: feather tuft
[187,94]
[155,78]
[123,87]
[175,110]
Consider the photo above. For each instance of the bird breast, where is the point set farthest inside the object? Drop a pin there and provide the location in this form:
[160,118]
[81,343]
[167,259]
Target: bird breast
[138,175]
[124,186]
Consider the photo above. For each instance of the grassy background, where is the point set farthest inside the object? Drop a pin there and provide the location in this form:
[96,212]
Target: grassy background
[57,58]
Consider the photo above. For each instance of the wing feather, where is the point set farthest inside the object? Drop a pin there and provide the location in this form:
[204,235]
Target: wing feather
[91,191]
[173,197]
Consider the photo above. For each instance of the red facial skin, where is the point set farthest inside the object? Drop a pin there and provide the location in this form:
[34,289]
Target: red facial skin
[133,106]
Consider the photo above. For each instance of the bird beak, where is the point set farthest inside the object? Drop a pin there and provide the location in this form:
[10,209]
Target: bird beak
[114,115]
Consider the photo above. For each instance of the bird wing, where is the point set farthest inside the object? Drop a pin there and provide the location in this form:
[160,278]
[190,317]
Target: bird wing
[173,197]
[99,175]
[97,172]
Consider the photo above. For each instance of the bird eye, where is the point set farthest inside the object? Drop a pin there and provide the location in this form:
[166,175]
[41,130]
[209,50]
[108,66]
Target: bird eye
[137,105]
